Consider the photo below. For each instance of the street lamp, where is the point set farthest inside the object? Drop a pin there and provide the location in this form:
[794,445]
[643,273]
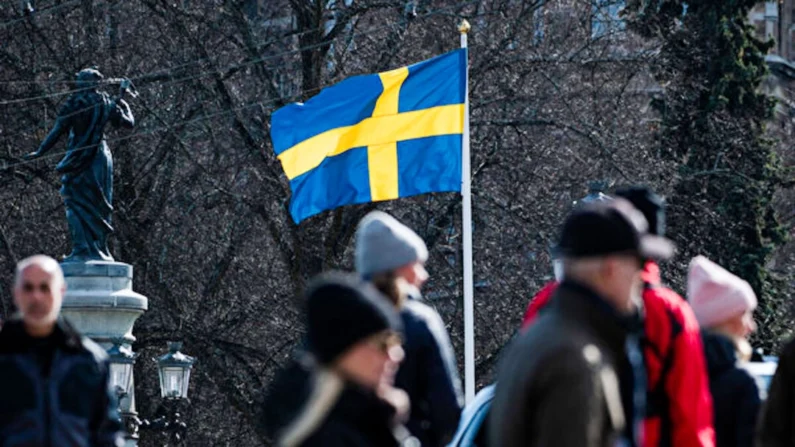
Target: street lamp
[595,193]
[174,370]
[122,360]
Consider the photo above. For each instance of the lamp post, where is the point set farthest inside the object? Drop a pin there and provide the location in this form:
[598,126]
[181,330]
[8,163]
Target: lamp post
[122,360]
[174,370]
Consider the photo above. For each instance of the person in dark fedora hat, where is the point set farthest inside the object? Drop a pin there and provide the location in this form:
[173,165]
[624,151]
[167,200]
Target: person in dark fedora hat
[575,377]
[678,400]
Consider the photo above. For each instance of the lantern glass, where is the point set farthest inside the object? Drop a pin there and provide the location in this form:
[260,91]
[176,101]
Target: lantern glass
[120,375]
[174,369]
[122,360]
[173,382]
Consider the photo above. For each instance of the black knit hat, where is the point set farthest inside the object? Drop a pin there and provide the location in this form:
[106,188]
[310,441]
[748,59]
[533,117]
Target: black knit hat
[650,204]
[343,310]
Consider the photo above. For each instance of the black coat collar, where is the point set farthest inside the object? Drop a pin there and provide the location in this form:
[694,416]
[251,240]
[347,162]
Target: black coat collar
[358,404]
[14,338]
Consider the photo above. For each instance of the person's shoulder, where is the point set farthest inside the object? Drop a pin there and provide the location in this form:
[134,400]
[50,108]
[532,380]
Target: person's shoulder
[11,334]
[555,322]
[743,377]
[537,363]
[287,395]
[662,300]
[553,339]
[745,385]
[787,352]
[90,347]
[664,295]
[74,104]
[422,318]
[334,433]
[421,311]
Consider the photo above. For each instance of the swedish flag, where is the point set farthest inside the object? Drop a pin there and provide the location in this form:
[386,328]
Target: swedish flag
[375,137]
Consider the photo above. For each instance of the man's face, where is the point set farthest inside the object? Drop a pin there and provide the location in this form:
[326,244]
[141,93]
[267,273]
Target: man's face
[623,274]
[38,295]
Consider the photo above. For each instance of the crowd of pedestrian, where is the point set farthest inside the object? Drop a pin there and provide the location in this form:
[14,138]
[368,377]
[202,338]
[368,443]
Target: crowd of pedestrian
[606,354]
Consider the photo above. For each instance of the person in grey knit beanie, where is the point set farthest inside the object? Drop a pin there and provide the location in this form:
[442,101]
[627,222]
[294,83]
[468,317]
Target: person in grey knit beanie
[392,257]
[383,244]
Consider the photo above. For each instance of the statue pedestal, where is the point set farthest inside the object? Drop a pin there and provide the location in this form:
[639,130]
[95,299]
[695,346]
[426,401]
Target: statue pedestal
[100,301]
[102,305]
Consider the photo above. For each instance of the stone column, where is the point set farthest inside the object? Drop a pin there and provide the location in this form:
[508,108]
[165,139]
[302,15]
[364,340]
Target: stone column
[102,305]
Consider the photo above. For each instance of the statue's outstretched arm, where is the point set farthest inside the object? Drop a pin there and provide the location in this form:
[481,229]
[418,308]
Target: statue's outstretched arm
[52,138]
[123,115]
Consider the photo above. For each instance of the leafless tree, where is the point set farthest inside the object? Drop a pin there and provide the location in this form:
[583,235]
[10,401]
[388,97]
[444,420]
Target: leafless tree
[559,94]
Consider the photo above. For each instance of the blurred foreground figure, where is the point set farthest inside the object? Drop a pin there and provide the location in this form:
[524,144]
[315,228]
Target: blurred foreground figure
[576,377]
[678,400]
[392,257]
[340,392]
[54,384]
[540,300]
[777,423]
[724,305]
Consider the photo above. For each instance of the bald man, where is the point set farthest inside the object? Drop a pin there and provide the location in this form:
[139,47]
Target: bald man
[54,384]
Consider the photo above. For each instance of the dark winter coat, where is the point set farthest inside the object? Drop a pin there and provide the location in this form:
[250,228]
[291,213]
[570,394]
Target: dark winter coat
[558,383]
[679,403]
[311,407]
[735,396]
[777,422]
[429,375]
[55,392]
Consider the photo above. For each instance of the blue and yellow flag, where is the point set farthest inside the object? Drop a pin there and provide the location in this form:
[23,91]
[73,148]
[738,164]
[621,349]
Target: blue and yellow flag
[375,137]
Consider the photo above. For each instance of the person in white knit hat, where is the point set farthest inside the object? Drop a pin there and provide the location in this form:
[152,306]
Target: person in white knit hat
[724,305]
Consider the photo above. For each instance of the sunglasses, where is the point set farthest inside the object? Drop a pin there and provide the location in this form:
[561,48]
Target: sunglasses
[385,341]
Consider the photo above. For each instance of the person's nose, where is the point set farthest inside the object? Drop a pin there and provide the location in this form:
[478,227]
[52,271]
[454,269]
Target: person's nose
[422,274]
[396,354]
[39,295]
[751,326]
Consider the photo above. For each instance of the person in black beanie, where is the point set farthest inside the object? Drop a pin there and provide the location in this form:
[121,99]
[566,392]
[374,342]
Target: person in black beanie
[339,391]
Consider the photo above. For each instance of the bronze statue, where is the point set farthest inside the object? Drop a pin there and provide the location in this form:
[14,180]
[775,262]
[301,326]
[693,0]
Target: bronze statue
[87,169]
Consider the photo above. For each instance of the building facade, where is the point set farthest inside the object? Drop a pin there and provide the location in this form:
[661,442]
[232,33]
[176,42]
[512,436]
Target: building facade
[775,20]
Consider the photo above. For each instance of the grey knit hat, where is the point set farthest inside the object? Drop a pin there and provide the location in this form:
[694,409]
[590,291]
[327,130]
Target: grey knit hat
[383,244]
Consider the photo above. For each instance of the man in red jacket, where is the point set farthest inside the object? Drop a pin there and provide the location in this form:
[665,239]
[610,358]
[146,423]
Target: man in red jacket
[679,404]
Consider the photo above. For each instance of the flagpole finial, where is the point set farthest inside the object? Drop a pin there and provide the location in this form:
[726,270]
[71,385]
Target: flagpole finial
[464,27]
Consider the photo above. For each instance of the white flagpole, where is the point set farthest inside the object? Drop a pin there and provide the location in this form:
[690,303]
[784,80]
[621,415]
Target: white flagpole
[466,193]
